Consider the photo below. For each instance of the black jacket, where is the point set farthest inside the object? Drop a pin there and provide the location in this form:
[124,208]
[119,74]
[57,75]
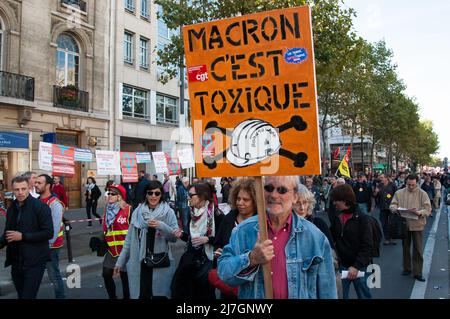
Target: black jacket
[34,221]
[385,195]
[95,193]
[363,193]
[353,241]
[323,227]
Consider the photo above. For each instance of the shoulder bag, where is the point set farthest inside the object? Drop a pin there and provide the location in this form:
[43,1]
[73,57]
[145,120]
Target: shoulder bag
[152,260]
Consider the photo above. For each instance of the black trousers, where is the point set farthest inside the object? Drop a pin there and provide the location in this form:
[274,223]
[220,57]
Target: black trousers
[27,281]
[111,286]
[91,205]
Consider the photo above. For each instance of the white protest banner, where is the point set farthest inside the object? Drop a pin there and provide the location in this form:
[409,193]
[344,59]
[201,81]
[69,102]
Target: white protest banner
[159,159]
[186,158]
[45,156]
[83,155]
[143,157]
[108,162]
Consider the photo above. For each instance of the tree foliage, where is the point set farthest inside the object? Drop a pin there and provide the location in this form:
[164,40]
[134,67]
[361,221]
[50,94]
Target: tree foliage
[357,82]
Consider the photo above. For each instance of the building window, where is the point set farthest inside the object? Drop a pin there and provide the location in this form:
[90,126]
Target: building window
[129,5]
[67,61]
[134,102]
[143,53]
[79,4]
[128,47]
[144,9]
[166,109]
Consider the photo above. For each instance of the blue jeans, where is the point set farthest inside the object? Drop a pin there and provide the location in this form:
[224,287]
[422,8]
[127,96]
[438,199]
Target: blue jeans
[360,284]
[55,275]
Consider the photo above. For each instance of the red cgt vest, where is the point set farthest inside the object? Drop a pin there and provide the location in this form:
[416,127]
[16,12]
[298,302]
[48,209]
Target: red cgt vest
[115,235]
[58,243]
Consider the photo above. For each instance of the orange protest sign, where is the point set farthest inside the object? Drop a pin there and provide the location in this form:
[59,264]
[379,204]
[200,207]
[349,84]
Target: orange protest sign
[253,94]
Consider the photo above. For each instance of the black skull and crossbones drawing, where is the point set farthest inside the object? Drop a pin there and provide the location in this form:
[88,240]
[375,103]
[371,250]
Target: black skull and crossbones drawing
[254,140]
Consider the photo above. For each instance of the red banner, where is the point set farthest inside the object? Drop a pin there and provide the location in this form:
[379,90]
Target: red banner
[63,160]
[128,164]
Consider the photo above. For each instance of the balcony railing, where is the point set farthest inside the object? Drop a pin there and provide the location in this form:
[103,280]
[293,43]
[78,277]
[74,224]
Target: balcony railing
[76,3]
[70,97]
[16,86]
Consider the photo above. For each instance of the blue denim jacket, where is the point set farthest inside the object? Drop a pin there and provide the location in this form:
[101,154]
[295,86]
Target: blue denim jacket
[309,262]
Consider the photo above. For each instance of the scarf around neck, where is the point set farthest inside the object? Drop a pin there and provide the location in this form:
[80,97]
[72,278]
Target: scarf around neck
[111,212]
[202,224]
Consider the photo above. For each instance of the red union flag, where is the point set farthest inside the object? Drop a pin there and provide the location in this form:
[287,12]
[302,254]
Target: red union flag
[336,152]
[198,73]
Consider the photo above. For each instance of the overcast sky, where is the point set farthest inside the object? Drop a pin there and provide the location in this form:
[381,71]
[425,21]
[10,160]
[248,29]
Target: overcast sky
[418,32]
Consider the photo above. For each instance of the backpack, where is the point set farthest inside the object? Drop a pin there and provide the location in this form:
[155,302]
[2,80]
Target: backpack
[377,235]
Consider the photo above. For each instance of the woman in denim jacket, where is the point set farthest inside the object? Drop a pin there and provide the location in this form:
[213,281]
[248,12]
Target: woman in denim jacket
[300,254]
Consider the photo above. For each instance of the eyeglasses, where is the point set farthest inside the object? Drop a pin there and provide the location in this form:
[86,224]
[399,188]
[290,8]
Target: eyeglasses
[280,189]
[150,193]
[191,194]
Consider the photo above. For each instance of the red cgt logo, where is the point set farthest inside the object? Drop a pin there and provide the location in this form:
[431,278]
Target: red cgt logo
[198,73]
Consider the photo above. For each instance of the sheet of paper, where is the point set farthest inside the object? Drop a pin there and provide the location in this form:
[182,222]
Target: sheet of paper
[344,274]
[406,213]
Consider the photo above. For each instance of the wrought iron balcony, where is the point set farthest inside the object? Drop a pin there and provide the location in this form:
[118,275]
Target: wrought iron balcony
[16,86]
[70,97]
[80,4]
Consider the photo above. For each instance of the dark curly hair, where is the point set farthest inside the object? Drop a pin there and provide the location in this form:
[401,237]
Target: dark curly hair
[246,184]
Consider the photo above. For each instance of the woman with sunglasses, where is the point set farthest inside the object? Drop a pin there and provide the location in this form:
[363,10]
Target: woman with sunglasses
[152,221]
[115,228]
[191,278]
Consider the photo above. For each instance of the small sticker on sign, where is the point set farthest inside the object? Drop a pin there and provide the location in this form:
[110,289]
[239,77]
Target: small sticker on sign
[198,73]
[295,55]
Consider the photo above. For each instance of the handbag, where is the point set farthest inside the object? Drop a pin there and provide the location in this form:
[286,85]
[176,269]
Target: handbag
[447,200]
[398,226]
[152,260]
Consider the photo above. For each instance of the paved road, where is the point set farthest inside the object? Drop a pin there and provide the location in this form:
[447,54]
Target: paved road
[393,285]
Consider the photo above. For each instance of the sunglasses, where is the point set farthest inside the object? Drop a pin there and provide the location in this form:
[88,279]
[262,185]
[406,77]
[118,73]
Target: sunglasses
[280,189]
[191,194]
[112,194]
[150,193]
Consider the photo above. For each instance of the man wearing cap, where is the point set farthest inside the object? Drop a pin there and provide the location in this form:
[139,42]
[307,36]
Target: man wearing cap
[115,228]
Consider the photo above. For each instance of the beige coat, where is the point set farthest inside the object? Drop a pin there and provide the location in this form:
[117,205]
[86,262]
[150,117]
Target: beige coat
[418,199]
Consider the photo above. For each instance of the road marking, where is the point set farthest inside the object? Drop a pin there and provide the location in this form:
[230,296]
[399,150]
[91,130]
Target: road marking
[420,288]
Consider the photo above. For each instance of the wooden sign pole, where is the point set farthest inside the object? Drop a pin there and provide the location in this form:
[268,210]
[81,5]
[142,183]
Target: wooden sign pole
[262,221]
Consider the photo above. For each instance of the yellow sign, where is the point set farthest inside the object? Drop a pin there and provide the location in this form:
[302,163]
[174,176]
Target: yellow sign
[253,94]
[91,173]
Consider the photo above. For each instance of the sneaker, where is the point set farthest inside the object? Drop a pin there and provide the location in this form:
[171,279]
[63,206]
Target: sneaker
[89,225]
[406,273]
